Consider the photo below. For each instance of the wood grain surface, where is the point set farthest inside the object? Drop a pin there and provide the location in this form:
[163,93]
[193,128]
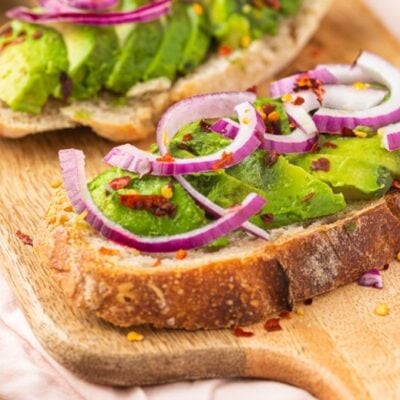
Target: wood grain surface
[338,350]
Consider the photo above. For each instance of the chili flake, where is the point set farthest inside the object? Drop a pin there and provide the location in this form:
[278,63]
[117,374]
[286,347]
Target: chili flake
[6,30]
[157,262]
[308,197]
[308,302]
[66,85]
[252,89]
[347,132]
[187,137]
[267,218]
[274,4]
[37,35]
[198,9]
[396,184]
[205,126]
[155,204]
[240,332]
[330,145]
[322,164]
[108,252]
[298,101]
[24,238]
[285,315]
[273,116]
[272,325]
[167,157]
[181,254]
[304,82]
[224,50]
[226,159]
[120,183]
[271,158]
[385,267]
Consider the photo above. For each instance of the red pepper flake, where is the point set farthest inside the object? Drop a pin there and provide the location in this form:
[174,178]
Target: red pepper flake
[274,4]
[66,85]
[271,158]
[272,325]
[322,164]
[268,108]
[187,137]
[298,101]
[181,254]
[308,197]
[155,204]
[330,145]
[285,315]
[6,30]
[385,267]
[314,148]
[347,132]
[226,159]
[37,35]
[167,157]
[396,184]
[304,82]
[157,262]
[240,332]
[224,50]
[108,252]
[267,218]
[252,89]
[205,126]
[24,238]
[120,183]
[308,302]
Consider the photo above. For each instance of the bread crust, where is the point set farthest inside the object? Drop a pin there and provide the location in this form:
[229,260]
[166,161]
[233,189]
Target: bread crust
[137,119]
[237,286]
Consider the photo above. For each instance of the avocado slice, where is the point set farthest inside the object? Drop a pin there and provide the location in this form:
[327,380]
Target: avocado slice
[166,61]
[32,58]
[92,53]
[292,194]
[188,214]
[356,178]
[136,55]
[369,148]
[199,39]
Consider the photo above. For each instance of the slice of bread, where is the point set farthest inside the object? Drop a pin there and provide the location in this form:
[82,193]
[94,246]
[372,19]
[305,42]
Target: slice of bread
[137,118]
[240,284]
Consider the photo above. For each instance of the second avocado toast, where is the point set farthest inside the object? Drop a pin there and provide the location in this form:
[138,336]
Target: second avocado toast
[155,239]
[118,80]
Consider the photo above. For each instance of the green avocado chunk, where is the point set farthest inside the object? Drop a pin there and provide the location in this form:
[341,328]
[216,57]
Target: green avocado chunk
[292,194]
[198,43]
[92,53]
[141,222]
[356,178]
[166,60]
[32,59]
[365,149]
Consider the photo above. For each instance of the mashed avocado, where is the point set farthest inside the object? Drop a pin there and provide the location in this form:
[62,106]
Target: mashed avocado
[32,59]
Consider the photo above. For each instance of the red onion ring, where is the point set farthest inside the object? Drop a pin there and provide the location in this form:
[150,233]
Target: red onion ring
[390,136]
[226,127]
[335,121]
[55,6]
[146,13]
[73,170]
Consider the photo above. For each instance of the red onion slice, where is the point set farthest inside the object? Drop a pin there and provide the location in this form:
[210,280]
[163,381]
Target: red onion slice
[73,169]
[390,137]
[346,73]
[56,6]
[132,159]
[335,121]
[371,278]
[146,13]
[301,140]
[218,211]
[343,97]
[286,85]
[226,127]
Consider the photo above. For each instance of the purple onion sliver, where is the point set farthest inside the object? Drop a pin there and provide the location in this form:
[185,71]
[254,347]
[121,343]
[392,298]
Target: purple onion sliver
[371,278]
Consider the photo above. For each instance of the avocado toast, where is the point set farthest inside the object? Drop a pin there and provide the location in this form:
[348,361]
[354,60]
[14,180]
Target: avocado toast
[118,80]
[147,241]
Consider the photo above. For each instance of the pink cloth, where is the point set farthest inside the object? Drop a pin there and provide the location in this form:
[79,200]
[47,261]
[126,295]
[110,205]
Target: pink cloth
[28,372]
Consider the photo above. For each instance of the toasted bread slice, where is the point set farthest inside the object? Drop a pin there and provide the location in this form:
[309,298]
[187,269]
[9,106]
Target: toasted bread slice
[240,284]
[137,118]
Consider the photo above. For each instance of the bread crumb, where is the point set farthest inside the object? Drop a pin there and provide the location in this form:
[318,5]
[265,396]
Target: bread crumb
[133,336]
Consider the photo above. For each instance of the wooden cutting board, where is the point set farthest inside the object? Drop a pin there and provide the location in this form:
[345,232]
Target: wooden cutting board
[338,350]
